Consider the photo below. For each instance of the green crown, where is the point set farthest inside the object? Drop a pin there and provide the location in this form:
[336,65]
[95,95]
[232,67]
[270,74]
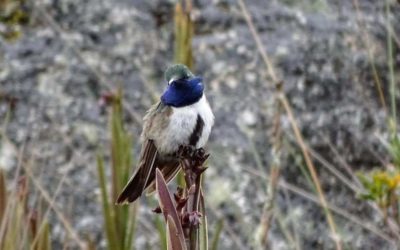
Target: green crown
[177,71]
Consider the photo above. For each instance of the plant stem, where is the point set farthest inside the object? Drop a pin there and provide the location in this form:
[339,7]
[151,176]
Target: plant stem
[390,66]
[268,211]
[192,168]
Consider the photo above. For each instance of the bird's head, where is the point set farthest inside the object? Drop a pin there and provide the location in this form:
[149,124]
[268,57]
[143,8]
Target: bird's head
[183,89]
[177,72]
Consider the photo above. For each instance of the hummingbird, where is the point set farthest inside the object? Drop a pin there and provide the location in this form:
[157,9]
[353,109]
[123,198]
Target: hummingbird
[182,117]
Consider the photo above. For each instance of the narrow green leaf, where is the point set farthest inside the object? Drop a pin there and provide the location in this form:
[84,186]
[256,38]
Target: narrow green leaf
[107,212]
[131,220]
[161,232]
[43,242]
[3,196]
[218,230]
[203,238]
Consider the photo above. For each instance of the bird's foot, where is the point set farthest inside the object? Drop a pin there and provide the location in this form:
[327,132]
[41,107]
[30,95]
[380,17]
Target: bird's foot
[196,156]
[186,151]
[192,153]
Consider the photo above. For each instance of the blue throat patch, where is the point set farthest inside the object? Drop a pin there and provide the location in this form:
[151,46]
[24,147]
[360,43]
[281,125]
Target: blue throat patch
[183,92]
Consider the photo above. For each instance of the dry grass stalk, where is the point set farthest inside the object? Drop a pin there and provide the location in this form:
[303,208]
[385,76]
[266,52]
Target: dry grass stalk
[268,211]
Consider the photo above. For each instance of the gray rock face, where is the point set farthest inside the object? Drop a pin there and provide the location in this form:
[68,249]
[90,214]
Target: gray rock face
[318,49]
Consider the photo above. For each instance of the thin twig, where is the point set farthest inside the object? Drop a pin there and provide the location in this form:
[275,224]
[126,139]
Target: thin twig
[330,167]
[46,214]
[228,229]
[342,161]
[268,212]
[367,41]
[390,64]
[282,225]
[293,221]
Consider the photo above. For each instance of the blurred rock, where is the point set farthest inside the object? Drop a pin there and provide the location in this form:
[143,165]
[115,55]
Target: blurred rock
[8,156]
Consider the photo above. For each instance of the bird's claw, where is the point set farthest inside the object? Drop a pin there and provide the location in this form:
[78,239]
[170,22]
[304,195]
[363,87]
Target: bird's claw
[192,153]
[186,151]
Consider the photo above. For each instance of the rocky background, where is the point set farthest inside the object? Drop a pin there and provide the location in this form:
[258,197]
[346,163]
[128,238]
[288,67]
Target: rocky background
[71,52]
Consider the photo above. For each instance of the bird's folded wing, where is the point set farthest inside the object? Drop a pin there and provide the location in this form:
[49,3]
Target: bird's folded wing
[138,181]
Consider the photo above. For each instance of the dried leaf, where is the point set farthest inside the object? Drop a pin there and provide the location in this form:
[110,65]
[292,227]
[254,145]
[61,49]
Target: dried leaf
[173,240]
[167,205]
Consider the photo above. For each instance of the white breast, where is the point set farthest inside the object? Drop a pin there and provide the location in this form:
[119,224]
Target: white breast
[204,110]
[182,123]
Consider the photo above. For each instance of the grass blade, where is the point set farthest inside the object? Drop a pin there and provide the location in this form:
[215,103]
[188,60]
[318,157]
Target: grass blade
[217,234]
[107,212]
[3,196]
[161,232]
[204,226]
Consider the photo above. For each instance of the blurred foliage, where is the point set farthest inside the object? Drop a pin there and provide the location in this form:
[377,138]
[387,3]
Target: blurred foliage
[203,227]
[119,221]
[218,230]
[13,14]
[309,6]
[183,34]
[394,151]
[394,144]
[161,232]
[382,186]
[20,226]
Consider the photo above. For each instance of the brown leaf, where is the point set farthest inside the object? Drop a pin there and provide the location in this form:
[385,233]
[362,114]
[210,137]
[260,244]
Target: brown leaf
[173,240]
[167,205]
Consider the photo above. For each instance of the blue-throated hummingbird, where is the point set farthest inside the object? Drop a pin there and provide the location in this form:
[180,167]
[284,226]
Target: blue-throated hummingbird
[182,117]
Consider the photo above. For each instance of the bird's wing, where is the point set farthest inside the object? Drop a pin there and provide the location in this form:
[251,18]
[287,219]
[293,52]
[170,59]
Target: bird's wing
[154,123]
[169,171]
[137,184]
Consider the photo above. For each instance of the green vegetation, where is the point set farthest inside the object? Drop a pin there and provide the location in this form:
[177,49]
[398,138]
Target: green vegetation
[119,221]
[13,15]
[183,34]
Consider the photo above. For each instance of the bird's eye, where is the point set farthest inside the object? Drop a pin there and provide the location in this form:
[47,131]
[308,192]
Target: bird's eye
[171,81]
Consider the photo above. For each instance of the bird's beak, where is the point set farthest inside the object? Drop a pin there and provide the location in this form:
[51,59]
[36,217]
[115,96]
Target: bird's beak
[172,79]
